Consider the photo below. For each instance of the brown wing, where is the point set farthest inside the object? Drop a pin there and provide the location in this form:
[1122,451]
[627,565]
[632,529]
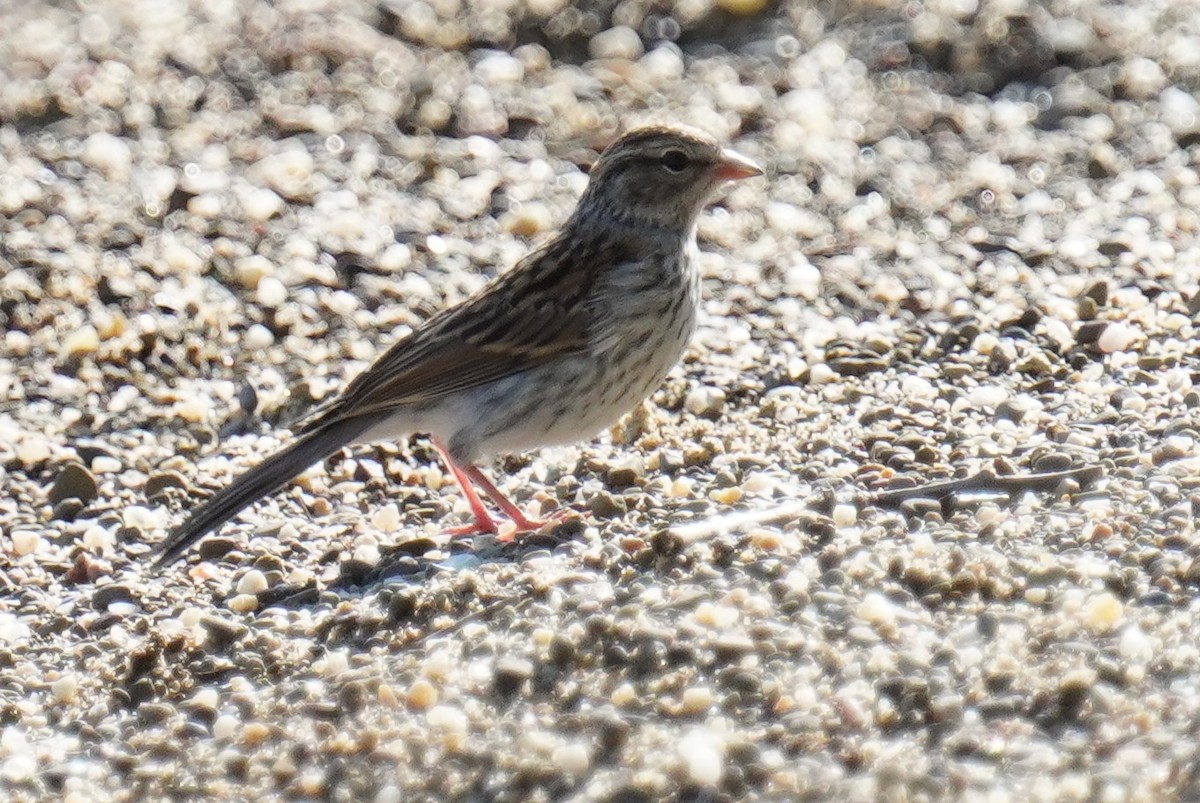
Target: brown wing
[533,314]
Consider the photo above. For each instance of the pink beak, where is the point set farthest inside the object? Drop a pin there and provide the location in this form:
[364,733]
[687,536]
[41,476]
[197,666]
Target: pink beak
[735,167]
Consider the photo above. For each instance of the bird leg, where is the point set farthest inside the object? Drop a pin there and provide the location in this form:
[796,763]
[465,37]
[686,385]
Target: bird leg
[467,478]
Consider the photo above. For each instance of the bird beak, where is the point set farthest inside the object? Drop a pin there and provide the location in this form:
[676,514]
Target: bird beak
[735,167]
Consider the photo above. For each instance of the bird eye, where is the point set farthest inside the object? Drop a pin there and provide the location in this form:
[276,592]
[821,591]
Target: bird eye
[674,160]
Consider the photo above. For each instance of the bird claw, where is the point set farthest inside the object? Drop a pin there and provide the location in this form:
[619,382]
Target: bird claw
[520,525]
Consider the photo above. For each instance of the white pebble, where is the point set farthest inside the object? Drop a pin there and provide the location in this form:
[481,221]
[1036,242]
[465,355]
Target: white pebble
[84,340]
[387,518]
[987,396]
[252,582]
[703,757]
[64,689]
[618,42]
[271,292]
[336,663]
[572,759]
[697,700]
[225,726]
[206,205]
[206,698]
[243,603]
[107,153]
[104,464]
[27,542]
[258,337]
[704,401]
[252,269]
[389,794]
[844,515]
[1117,337]
[396,257]
[447,718]
[260,204]
[181,259]
[821,373]
[877,610]
[711,615]
[1103,613]
[192,408]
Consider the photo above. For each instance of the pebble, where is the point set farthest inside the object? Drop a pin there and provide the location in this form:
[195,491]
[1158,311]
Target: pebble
[27,542]
[252,582]
[243,603]
[705,401]
[1117,337]
[844,515]
[73,482]
[387,518]
[703,758]
[109,154]
[421,695]
[80,343]
[618,42]
[1103,613]
[696,700]
[270,292]
[65,689]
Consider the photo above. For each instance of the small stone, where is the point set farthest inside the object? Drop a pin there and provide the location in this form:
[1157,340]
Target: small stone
[726,496]
[712,615]
[157,483]
[696,700]
[260,204]
[73,482]
[64,689]
[271,292]
[703,758]
[105,464]
[1117,337]
[243,603]
[618,42]
[1103,613]
[83,341]
[252,582]
[250,270]
[387,518]
[255,733]
[510,675]
[573,759]
[421,695]
[258,337]
[225,726]
[27,542]
[705,402]
[607,506]
[844,515]
[107,153]
[623,695]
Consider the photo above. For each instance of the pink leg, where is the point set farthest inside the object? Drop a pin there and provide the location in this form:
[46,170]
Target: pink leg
[523,522]
[484,523]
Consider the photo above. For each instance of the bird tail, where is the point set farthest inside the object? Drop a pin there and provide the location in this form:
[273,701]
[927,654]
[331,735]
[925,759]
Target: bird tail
[267,476]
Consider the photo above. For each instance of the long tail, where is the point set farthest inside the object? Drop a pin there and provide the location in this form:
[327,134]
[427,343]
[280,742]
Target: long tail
[256,483]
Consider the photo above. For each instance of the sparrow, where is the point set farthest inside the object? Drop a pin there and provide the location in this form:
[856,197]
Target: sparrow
[550,352]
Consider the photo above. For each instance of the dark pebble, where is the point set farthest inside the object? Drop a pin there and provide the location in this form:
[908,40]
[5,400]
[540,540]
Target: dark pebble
[511,674]
[73,482]
[107,595]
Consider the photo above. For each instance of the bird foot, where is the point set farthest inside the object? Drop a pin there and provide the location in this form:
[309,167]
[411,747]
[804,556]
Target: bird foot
[518,525]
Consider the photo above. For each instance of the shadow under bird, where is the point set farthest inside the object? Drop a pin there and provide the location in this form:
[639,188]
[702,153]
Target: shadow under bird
[550,352]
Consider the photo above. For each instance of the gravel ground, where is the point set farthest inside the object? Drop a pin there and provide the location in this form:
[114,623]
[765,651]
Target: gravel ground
[977,248]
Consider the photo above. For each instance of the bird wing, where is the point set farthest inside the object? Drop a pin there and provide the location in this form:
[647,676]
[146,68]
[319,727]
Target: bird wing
[527,317]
